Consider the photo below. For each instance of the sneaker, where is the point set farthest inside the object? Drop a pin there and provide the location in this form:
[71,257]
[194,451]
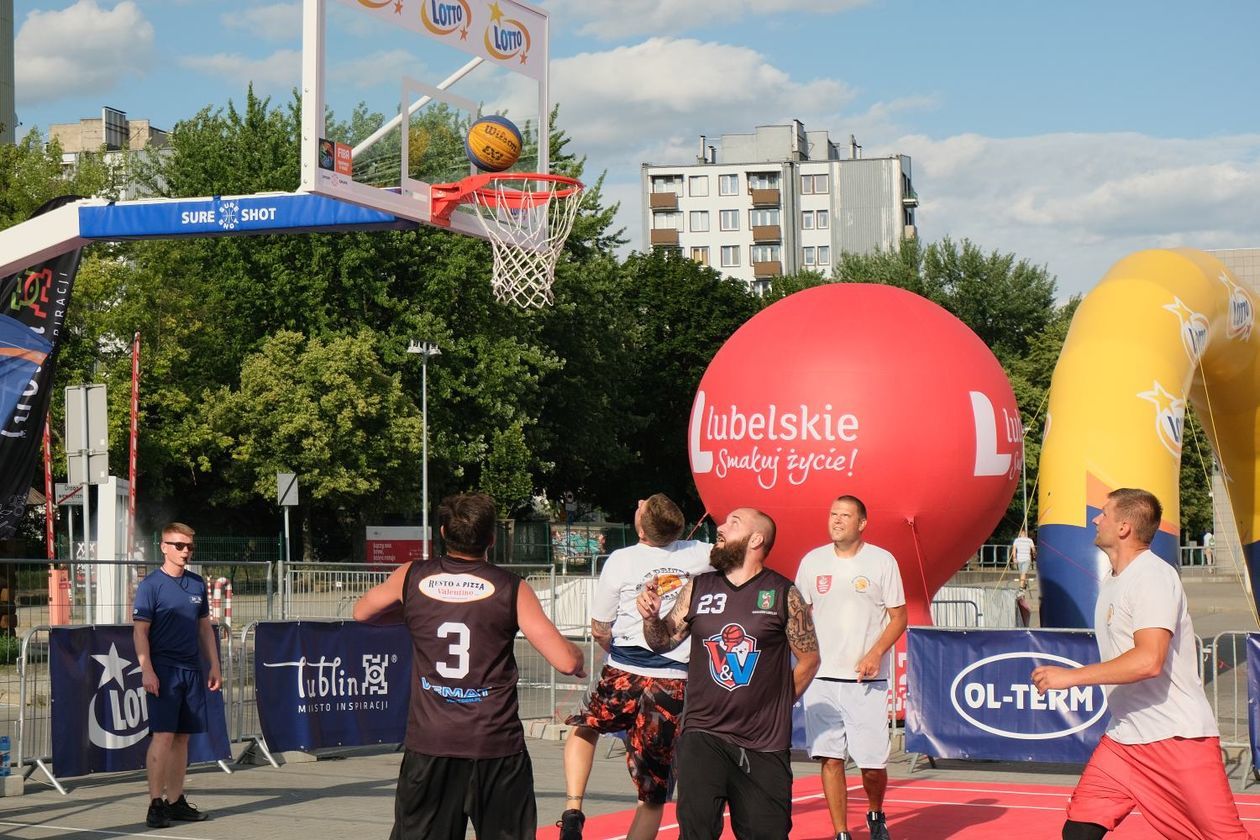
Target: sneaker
[844,835]
[571,822]
[875,822]
[158,816]
[182,809]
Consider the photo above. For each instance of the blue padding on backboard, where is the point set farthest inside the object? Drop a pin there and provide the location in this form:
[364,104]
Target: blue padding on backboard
[280,213]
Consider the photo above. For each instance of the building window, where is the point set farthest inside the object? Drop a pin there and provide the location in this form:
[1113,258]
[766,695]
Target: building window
[667,184]
[807,184]
[821,184]
[807,220]
[807,255]
[765,253]
[698,186]
[728,185]
[730,256]
[728,220]
[763,180]
[667,220]
[699,221]
[700,255]
[760,287]
[821,219]
[824,255]
[763,216]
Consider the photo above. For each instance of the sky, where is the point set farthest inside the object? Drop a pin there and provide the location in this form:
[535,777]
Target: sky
[1069,134]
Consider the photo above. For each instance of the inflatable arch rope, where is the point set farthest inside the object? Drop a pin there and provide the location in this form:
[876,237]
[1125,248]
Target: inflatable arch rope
[1161,328]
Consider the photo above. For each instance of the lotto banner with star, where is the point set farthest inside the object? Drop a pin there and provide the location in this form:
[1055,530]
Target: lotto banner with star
[100,712]
[332,683]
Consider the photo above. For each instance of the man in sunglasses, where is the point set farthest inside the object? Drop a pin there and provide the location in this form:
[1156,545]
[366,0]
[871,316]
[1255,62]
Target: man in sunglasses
[172,631]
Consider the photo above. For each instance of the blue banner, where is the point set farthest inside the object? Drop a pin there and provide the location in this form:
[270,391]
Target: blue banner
[970,696]
[331,684]
[1253,694]
[100,713]
[276,213]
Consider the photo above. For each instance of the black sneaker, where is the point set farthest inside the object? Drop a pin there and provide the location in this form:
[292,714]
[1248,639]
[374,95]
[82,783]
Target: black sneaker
[875,822]
[571,822]
[181,809]
[844,835]
[158,816]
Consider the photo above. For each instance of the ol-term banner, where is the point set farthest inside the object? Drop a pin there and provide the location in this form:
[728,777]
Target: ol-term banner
[331,683]
[971,696]
[100,710]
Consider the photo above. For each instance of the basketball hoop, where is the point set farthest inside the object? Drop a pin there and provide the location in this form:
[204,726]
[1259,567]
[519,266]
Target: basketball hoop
[527,216]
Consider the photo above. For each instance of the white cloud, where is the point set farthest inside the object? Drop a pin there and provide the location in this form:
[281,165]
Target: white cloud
[1079,202]
[652,100]
[80,50]
[380,68]
[278,71]
[612,19]
[276,22]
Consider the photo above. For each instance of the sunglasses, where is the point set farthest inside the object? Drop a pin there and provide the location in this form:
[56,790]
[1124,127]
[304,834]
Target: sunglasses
[179,546]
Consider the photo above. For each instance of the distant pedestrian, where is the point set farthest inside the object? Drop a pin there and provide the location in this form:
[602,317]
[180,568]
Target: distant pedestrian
[172,632]
[1023,550]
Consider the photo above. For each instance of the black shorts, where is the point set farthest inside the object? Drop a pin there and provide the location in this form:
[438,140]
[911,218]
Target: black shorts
[714,773]
[437,796]
[180,704]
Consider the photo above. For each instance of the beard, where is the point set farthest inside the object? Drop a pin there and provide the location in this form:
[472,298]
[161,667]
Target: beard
[729,555]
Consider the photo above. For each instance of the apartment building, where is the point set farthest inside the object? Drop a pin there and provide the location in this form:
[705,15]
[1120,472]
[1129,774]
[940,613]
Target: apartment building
[8,114]
[780,200]
[113,136]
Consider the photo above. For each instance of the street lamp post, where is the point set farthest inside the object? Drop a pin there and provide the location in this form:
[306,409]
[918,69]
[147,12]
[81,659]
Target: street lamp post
[425,349]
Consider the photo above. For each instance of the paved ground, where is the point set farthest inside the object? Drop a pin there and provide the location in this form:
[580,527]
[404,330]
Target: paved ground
[351,796]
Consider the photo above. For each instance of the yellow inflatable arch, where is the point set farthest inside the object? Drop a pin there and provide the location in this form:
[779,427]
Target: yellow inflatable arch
[1162,328]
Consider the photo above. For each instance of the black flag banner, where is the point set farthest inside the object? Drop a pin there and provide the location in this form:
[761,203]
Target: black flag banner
[35,299]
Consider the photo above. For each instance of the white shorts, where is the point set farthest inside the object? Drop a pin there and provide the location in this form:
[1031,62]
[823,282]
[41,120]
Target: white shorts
[1023,565]
[848,719]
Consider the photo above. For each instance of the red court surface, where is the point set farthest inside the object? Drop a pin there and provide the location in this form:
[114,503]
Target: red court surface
[926,809]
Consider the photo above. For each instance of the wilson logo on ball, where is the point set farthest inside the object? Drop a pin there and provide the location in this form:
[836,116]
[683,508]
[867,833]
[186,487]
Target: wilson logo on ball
[493,143]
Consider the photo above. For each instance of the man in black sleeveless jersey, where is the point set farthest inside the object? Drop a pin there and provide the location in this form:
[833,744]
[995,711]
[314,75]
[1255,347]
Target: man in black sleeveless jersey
[465,755]
[745,621]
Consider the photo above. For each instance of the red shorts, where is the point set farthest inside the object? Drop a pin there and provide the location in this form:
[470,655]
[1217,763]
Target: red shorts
[1179,785]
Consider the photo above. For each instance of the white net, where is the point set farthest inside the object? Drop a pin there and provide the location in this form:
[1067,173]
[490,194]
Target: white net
[527,220]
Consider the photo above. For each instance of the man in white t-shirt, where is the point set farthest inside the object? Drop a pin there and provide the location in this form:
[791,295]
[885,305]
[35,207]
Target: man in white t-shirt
[859,610]
[1161,753]
[1023,550]
[640,692]
[1209,546]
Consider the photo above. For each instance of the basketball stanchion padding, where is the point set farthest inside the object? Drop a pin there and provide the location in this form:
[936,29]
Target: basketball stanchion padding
[527,216]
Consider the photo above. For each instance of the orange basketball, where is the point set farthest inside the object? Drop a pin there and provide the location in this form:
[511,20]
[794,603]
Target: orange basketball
[732,634]
[493,143]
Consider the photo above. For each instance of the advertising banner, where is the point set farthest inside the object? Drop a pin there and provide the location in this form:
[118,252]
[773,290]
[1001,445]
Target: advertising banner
[100,713]
[331,683]
[971,696]
[1253,694]
[33,304]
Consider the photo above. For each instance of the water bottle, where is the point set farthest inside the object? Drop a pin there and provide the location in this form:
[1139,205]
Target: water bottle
[4,755]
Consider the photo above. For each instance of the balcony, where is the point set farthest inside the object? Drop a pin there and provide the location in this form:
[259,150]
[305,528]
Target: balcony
[765,198]
[663,201]
[766,270]
[767,233]
[664,238]
[910,233]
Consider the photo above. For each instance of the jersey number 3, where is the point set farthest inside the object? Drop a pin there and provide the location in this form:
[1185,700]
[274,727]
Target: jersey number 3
[458,649]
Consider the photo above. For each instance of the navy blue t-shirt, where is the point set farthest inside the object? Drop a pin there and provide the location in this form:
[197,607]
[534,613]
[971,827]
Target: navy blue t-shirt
[173,606]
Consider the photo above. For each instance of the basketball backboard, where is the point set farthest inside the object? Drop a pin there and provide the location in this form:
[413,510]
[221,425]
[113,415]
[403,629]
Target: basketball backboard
[429,68]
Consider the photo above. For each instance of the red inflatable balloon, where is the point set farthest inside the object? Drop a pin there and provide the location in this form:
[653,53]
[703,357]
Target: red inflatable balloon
[869,390]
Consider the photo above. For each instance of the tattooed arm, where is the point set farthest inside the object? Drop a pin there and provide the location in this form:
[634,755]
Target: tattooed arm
[666,633]
[601,632]
[803,639]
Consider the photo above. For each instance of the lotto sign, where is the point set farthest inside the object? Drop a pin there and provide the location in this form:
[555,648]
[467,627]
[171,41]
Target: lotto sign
[971,696]
[100,710]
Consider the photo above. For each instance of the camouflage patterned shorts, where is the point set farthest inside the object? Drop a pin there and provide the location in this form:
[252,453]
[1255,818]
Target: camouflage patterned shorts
[648,710]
